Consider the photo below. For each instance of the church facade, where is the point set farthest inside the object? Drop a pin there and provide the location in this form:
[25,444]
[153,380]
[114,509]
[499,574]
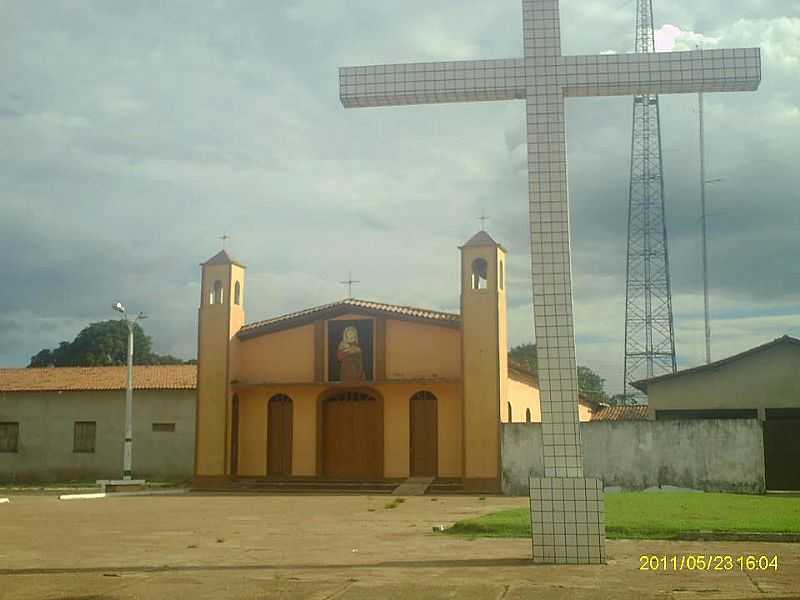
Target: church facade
[359,390]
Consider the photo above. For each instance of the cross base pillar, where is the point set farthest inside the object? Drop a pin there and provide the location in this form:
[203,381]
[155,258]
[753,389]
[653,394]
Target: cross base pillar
[567,521]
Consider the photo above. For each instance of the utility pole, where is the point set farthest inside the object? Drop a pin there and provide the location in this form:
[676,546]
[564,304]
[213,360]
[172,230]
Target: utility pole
[703,183]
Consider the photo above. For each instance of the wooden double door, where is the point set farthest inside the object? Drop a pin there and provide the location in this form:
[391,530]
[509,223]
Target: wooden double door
[352,436]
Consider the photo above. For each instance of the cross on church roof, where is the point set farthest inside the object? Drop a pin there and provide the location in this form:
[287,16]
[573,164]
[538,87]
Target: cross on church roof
[224,237]
[483,218]
[349,282]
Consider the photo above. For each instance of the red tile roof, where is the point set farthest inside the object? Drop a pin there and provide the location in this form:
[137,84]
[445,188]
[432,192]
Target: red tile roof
[620,413]
[349,305]
[155,377]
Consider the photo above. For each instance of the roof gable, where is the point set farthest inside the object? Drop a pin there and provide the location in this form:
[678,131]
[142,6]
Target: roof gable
[366,308]
[222,258]
[482,239]
[642,384]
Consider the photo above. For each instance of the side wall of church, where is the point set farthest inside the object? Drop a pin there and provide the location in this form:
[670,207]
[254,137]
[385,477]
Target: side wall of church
[523,397]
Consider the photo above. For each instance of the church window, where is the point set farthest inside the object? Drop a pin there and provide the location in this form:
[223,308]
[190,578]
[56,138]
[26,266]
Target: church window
[500,276]
[85,435]
[216,295]
[527,415]
[479,273]
[9,437]
[510,416]
[237,294]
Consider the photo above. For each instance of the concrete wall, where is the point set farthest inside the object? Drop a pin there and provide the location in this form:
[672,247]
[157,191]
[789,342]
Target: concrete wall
[707,454]
[46,428]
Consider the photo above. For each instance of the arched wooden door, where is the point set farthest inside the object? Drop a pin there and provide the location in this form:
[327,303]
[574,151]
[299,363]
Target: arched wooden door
[352,436]
[279,436]
[424,454]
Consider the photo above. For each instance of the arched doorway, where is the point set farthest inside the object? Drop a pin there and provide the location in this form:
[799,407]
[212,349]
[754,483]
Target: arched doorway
[352,435]
[424,435]
[279,436]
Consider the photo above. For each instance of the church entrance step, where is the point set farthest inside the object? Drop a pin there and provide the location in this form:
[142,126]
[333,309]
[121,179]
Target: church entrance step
[413,486]
[293,486]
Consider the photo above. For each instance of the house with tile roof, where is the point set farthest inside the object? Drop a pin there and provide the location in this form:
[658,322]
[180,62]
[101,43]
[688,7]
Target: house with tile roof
[66,423]
[358,390]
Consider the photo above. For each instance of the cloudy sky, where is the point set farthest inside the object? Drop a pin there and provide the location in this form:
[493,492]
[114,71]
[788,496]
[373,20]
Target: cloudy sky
[134,135]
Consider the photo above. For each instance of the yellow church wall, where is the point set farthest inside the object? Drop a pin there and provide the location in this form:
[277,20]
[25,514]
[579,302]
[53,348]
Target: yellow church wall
[213,342]
[397,427]
[253,447]
[285,356]
[419,350]
[502,332]
[304,430]
[522,396]
[252,433]
[481,366]
[253,450]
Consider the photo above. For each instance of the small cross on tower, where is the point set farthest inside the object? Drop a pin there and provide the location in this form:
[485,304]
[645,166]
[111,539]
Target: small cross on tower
[483,218]
[224,237]
[349,282]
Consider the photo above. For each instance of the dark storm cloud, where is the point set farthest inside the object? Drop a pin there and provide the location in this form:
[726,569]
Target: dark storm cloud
[134,136]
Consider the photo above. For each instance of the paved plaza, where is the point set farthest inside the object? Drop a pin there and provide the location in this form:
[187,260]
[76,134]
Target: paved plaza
[324,547]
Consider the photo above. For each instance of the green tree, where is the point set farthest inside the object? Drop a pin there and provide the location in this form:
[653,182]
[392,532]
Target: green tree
[589,382]
[623,400]
[524,354]
[103,344]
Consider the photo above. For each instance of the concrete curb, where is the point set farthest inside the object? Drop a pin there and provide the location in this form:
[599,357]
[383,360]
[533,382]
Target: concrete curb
[173,492]
[714,536]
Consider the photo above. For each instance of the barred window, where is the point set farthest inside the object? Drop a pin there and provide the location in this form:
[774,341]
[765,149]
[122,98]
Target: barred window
[85,432]
[167,427]
[9,437]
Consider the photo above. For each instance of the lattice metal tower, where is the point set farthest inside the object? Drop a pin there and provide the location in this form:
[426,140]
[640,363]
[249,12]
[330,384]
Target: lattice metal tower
[649,333]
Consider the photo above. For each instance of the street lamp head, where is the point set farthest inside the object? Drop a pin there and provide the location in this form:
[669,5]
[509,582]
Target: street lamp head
[117,306]
[141,316]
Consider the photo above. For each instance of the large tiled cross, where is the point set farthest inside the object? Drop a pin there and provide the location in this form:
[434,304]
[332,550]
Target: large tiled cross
[543,78]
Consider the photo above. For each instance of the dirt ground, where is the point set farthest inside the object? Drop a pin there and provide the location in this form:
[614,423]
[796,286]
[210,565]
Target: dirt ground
[325,547]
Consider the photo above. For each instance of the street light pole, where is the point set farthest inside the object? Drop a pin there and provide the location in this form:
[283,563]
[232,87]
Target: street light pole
[128,449]
[127,452]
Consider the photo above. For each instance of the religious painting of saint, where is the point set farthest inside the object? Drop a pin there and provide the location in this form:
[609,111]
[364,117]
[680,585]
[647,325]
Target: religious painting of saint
[350,350]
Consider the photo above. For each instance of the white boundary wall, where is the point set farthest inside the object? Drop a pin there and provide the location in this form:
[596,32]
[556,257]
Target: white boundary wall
[704,454]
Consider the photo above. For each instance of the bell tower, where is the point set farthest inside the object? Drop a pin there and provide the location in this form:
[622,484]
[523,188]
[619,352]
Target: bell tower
[220,317]
[484,351]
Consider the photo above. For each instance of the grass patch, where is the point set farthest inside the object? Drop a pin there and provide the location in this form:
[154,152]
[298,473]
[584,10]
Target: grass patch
[661,516]
[395,503]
